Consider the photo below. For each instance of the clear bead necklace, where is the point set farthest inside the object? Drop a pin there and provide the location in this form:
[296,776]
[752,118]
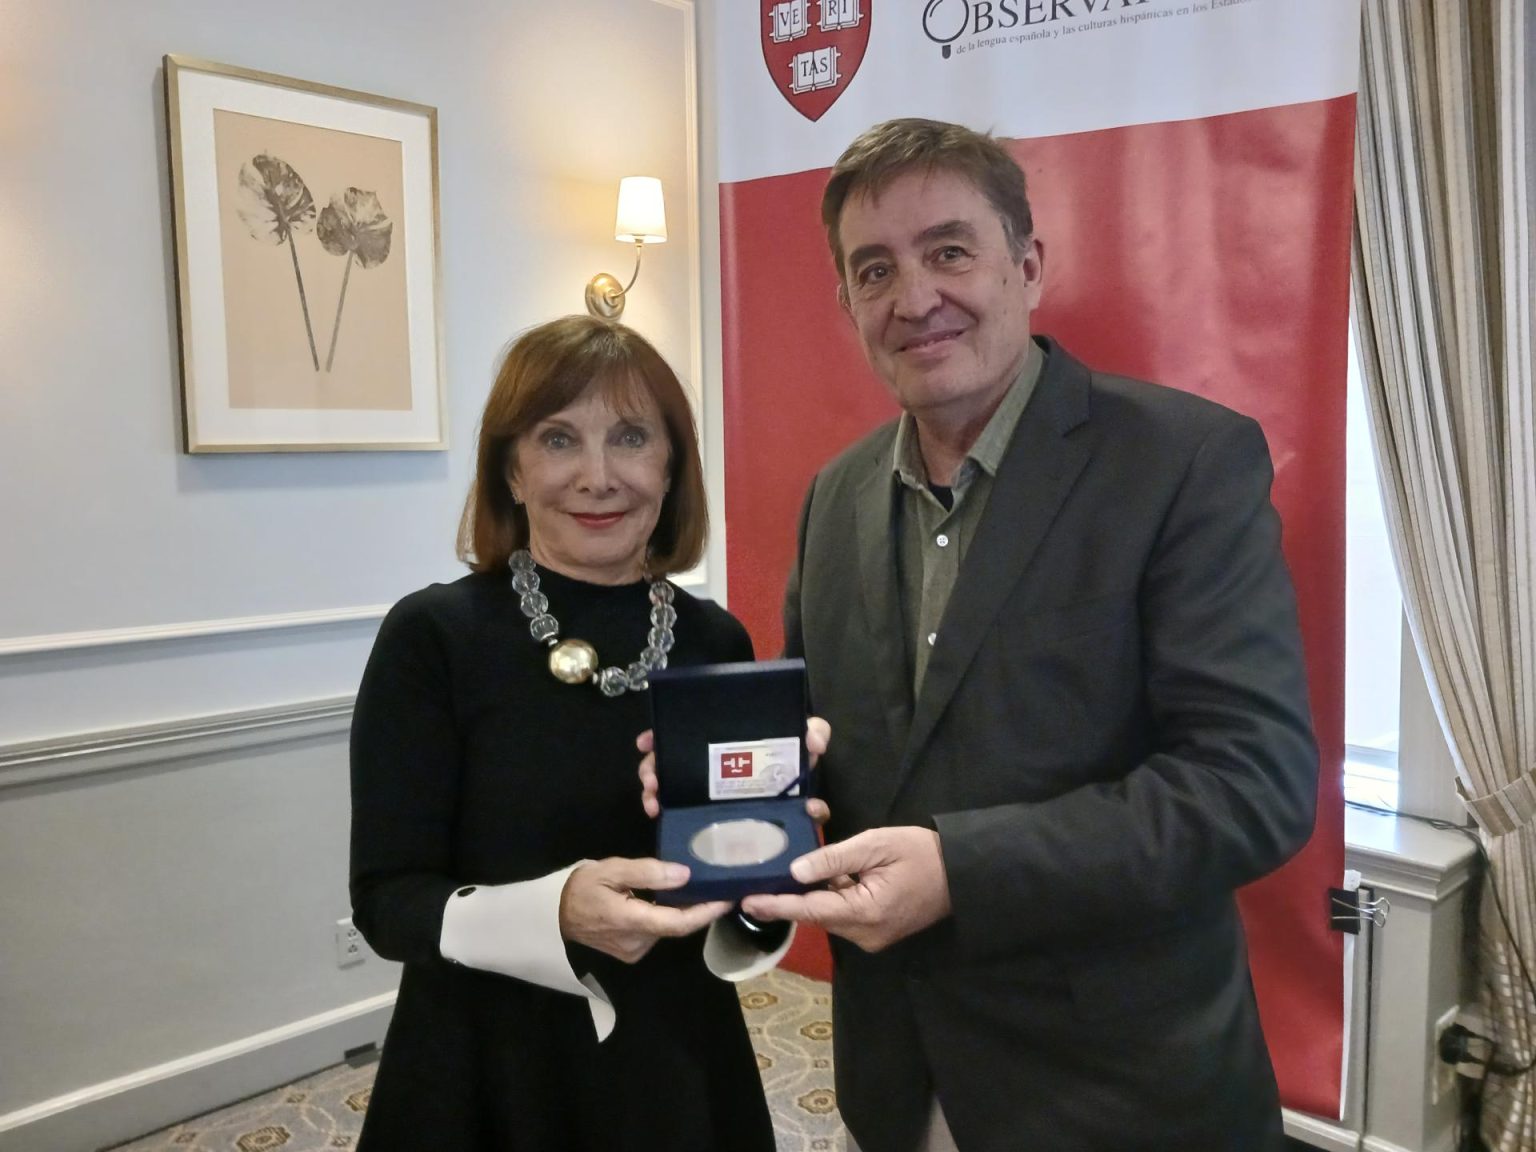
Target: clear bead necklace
[574,661]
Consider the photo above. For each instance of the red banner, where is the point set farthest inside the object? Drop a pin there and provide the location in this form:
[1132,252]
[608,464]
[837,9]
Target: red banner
[1209,253]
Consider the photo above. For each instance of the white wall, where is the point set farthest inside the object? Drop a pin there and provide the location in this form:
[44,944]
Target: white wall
[159,911]
[104,523]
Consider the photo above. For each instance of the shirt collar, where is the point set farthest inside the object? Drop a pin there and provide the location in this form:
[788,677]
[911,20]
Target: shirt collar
[987,452]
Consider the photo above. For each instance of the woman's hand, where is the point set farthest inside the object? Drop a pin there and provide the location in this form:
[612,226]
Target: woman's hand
[818,734]
[599,908]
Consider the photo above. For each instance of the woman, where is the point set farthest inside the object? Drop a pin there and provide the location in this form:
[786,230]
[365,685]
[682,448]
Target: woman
[498,838]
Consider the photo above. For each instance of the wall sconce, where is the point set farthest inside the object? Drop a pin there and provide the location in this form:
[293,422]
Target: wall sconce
[642,217]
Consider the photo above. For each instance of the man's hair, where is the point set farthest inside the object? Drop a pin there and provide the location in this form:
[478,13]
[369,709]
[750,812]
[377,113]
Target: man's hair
[545,370]
[892,149]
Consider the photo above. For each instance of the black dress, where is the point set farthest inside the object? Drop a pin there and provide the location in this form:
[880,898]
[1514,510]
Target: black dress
[471,764]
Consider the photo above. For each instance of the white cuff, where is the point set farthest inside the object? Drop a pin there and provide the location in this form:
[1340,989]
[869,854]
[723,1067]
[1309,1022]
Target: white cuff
[514,930]
[730,954]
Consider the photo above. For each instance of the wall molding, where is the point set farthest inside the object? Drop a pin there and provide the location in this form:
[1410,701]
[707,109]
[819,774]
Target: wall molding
[157,633]
[118,749]
[708,574]
[151,1098]
[1403,857]
[1316,1132]
[1416,971]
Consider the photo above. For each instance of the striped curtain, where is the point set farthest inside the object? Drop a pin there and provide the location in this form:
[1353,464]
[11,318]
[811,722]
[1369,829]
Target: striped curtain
[1443,311]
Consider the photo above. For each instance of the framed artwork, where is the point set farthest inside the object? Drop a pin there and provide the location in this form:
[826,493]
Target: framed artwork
[306,262]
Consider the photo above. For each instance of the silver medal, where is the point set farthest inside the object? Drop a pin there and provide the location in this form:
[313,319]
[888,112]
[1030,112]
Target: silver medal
[734,843]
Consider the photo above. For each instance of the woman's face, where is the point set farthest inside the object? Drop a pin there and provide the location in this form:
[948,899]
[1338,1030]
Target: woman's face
[592,481]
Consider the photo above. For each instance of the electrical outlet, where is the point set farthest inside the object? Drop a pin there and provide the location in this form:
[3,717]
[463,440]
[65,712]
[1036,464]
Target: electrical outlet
[1474,1022]
[349,944]
[1442,1082]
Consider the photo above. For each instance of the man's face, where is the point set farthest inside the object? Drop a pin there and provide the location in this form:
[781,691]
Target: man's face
[941,306]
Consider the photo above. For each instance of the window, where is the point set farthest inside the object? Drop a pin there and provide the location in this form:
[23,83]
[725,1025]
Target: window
[1373,618]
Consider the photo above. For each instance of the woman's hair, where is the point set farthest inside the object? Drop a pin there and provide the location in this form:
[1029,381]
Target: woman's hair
[545,370]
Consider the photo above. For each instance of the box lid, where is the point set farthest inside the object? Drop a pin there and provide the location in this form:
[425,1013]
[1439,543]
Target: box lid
[712,704]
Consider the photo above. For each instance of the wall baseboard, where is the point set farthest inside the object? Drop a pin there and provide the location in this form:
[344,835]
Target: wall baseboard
[117,749]
[117,1110]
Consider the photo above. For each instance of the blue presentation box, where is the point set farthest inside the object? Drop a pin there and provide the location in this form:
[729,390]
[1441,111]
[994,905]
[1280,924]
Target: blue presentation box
[730,745]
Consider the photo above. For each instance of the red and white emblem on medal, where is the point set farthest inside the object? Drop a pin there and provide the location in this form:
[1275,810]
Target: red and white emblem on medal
[736,766]
[813,48]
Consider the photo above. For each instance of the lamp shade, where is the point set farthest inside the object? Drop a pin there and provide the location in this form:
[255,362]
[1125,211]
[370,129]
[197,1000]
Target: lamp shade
[642,216]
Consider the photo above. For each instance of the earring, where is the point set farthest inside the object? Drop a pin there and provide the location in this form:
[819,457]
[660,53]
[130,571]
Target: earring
[516,499]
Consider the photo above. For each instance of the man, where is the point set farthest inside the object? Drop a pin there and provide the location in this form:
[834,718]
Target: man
[1048,618]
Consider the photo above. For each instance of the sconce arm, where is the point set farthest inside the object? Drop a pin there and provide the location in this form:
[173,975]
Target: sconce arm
[639,251]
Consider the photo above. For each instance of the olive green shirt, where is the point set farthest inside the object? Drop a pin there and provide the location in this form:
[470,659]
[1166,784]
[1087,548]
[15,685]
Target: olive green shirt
[932,539]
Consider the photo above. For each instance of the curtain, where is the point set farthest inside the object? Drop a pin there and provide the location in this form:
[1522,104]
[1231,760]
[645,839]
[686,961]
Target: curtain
[1443,314]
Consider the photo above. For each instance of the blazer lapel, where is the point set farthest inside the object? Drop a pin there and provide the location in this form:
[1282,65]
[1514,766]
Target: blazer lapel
[875,515]
[1036,473]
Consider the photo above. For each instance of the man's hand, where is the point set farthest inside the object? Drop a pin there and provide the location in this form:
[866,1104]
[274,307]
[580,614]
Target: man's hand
[598,907]
[817,735]
[887,884]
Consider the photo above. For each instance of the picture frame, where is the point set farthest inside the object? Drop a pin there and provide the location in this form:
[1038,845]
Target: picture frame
[307,264]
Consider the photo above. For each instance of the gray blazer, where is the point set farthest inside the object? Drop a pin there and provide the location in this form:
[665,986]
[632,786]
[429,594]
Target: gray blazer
[1113,735]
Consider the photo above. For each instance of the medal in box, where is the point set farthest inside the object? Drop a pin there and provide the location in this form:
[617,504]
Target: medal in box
[732,776]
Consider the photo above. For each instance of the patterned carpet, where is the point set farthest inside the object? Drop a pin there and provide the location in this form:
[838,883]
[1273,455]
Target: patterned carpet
[788,1017]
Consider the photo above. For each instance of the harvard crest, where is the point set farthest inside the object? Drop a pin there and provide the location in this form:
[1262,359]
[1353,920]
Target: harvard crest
[813,48]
